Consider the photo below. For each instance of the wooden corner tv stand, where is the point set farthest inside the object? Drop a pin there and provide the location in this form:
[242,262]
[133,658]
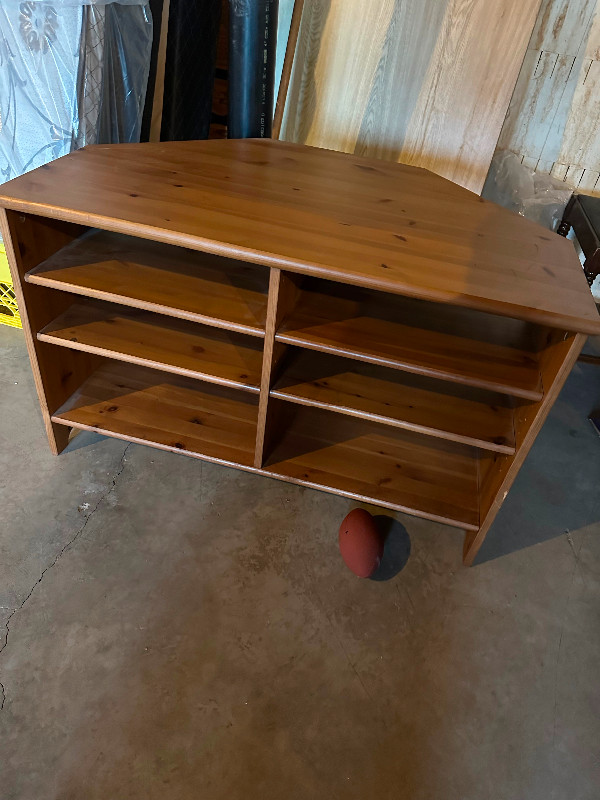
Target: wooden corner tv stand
[347,324]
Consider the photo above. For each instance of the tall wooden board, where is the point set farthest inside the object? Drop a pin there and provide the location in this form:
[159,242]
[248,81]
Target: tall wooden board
[424,83]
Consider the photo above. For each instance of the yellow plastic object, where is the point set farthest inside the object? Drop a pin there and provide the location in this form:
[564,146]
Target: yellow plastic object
[9,313]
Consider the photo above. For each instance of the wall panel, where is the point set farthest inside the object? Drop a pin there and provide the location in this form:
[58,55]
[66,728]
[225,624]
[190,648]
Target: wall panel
[553,121]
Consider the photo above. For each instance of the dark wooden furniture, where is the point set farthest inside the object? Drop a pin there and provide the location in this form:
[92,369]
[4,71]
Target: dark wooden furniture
[362,327]
[583,215]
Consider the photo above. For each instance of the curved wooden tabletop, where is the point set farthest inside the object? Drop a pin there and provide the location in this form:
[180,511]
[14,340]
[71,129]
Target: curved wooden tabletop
[372,223]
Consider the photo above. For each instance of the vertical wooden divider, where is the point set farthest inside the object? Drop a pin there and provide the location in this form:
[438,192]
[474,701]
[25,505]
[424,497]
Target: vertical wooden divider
[556,363]
[283,289]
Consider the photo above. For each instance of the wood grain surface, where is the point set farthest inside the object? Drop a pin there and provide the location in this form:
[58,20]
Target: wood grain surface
[365,326]
[161,278]
[168,411]
[382,395]
[391,227]
[423,83]
[427,477]
[56,372]
[430,478]
[139,337]
[374,270]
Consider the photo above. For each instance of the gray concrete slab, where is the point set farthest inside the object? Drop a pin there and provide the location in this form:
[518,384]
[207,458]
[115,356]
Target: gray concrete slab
[182,630]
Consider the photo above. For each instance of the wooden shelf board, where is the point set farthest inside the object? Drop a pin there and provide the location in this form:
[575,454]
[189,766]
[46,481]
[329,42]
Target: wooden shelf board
[405,401]
[151,340]
[167,411]
[426,477]
[362,325]
[159,277]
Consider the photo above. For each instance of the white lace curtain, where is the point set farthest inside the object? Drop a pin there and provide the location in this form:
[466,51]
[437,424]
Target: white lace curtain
[71,74]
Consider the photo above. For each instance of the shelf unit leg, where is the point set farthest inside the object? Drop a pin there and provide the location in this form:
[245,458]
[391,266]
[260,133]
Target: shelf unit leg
[58,436]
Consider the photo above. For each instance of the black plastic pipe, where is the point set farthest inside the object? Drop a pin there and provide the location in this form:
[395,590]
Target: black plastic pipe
[252,52]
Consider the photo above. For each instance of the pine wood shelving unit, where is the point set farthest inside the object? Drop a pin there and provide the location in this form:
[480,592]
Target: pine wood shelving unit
[360,327]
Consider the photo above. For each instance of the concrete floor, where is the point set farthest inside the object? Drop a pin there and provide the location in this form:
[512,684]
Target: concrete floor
[180,630]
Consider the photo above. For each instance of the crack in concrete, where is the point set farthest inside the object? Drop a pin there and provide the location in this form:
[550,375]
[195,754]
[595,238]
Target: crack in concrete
[57,558]
[572,545]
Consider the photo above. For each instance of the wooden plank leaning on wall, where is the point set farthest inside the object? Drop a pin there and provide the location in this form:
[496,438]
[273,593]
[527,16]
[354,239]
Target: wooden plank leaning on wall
[426,83]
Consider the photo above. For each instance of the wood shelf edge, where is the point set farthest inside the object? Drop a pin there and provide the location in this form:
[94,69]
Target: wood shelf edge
[268,473]
[165,310]
[146,443]
[395,423]
[414,369]
[461,525]
[143,362]
[281,295]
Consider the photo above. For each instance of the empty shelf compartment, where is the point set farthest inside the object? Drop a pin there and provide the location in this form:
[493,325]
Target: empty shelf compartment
[166,411]
[438,341]
[438,408]
[160,277]
[148,339]
[428,477]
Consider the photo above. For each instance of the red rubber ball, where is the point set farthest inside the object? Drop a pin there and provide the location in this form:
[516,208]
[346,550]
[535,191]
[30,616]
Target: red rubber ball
[361,544]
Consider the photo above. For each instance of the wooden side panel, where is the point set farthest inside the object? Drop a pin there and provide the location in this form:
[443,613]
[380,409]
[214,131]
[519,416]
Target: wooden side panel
[423,83]
[497,472]
[57,372]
